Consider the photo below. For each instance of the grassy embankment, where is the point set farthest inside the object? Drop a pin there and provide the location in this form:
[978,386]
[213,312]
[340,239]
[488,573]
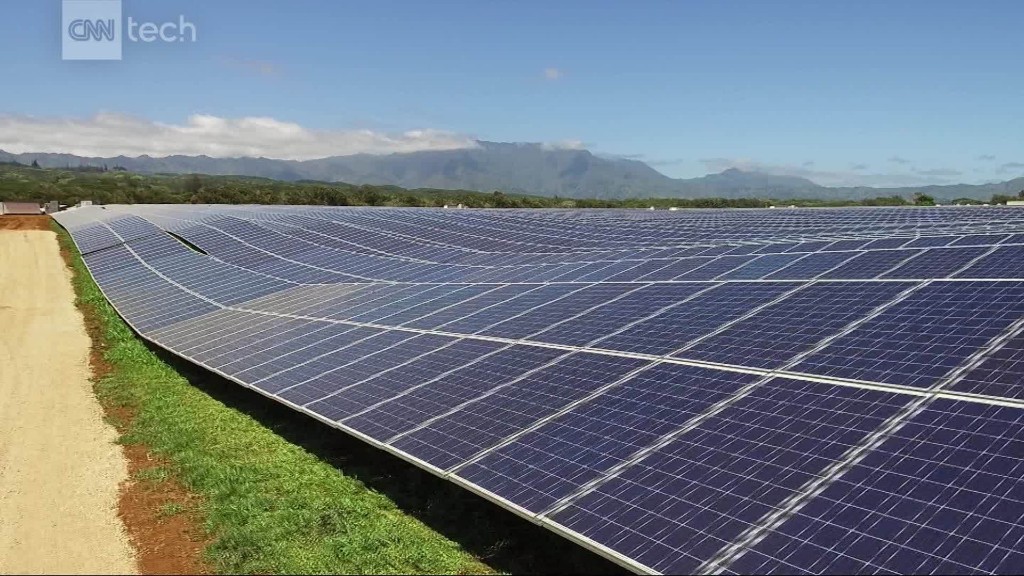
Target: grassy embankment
[277,492]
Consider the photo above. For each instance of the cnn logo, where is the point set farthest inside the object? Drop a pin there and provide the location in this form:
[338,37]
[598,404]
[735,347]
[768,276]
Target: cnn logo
[92,30]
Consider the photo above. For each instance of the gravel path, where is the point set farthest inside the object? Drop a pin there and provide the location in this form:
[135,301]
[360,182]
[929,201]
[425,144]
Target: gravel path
[59,467]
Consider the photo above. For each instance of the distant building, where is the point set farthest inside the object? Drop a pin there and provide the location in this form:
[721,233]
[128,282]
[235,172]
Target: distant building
[1015,202]
[20,208]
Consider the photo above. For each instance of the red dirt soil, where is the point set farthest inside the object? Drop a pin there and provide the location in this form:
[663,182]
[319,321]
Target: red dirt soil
[165,543]
[11,222]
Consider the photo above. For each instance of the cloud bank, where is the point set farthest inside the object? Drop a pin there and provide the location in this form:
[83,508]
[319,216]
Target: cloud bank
[109,134]
[565,145]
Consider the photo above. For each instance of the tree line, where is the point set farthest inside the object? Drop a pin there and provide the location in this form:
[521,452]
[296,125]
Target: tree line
[118,186]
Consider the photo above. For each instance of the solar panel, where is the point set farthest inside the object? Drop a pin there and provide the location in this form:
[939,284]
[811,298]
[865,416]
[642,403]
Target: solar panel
[701,315]
[1000,374]
[921,339]
[550,463]
[774,336]
[703,489]
[943,495]
[822,390]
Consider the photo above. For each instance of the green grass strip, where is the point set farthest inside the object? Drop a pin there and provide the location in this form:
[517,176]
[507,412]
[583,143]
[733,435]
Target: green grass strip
[272,506]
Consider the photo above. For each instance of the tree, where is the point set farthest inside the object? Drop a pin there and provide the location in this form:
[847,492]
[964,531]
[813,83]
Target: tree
[193,184]
[35,164]
[922,199]
[967,202]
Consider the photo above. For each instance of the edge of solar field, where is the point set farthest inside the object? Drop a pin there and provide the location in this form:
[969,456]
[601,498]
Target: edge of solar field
[539,518]
[551,525]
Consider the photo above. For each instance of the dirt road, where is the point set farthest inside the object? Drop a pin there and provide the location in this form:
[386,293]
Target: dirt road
[59,467]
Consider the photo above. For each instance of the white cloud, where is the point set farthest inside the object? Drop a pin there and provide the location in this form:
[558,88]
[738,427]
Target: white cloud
[564,145]
[553,74]
[839,178]
[109,134]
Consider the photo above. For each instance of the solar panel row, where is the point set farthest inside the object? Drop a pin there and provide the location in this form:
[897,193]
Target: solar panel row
[712,391]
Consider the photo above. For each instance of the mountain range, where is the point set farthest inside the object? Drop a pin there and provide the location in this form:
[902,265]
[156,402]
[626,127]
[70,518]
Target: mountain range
[523,168]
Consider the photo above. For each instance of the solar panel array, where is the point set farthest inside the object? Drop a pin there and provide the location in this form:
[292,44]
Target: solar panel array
[713,391]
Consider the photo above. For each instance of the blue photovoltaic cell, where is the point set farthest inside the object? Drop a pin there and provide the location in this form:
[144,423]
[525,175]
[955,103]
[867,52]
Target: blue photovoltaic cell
[917,341]
[94,238]
[490,419]
[771,337]
[844,245]
[384,385]
[980,240]
[553,461]
[183,335]
[930,241]
[761,267]
[509,309]
[617,314]
[546,315]
[673,328]
[811,266]
[814,246]
[1000,374]
[301,335]
[255,330]
[1004,262]
[870,264]
[154,247]
[496,296]
[936,263]
[885,243]
[943,495]
[454,297]
[433,399]
[641,269]
[777,248]
[293,352]
[715,268]
[366,305]
[676,269]
[606,272]
[744,249]
[347,367]
[715,251]
[680,505]
[310,363]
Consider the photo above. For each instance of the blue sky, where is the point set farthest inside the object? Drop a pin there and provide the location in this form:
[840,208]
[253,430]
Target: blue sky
[865,92]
